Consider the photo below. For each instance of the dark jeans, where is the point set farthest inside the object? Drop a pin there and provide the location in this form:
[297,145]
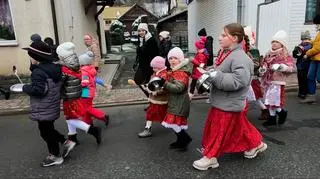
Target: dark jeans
[303,81]
[193,85]
[313,76]
[51,136]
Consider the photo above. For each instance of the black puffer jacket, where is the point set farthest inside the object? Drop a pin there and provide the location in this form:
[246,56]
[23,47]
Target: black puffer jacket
[44,91]
[164,48]
[71,78]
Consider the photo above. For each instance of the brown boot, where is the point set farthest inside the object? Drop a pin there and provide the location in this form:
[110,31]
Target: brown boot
[264,114]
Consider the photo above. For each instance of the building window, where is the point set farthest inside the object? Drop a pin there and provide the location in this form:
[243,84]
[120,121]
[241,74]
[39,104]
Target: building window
[313,7]
[7,34]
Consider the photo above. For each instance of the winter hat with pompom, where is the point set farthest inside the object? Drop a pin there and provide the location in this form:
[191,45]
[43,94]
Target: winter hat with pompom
[86,58]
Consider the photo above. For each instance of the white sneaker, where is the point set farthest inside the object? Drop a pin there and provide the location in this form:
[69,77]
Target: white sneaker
[205,163]
[67,147]
[191,96]
[254,152]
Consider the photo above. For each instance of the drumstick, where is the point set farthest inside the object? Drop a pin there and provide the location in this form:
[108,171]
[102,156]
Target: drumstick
[131,82]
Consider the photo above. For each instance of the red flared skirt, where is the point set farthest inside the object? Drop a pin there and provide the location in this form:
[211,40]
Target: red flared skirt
[177,123]
[74,109]
[256,86]
[228,132]
[156,112]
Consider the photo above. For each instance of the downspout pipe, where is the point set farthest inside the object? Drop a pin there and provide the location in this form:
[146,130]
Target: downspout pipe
[54,19]
[240,11]
[258,18]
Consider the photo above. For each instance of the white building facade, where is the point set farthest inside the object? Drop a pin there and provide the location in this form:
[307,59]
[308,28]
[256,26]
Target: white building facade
[293,16]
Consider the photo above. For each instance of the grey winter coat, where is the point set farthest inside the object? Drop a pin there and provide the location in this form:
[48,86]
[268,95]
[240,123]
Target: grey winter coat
[44,91]
[232,81]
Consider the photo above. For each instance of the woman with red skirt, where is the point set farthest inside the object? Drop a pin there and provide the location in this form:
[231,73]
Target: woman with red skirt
[227,128]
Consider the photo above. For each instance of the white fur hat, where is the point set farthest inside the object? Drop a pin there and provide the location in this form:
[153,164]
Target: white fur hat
[65,49]
[143,26]
[164,34]
[282,37]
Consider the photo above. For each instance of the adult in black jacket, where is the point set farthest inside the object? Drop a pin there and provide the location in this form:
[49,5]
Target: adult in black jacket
[165,46]
[44,92]
[147,49]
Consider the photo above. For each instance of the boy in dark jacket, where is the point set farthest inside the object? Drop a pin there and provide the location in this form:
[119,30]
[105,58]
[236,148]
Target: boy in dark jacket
[303,63]
[44,92]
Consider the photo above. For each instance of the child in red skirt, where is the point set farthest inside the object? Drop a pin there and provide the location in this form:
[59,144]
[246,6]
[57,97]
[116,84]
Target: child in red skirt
[277,64]
[227,128]
[254,54]
[157,100]
[178,101]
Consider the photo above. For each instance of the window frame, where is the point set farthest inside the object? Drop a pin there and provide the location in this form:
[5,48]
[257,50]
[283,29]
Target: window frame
[5,43]
[310,21]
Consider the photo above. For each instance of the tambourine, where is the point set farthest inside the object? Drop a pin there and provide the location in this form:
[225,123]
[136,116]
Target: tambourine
[203,84]
[155,84]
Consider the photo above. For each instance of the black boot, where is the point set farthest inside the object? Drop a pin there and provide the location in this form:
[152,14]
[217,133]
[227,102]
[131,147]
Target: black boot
[282,116]
[185,139]
[106,120]
[74,138]
[176,144]
[264,114]
[272,121]
[96,132]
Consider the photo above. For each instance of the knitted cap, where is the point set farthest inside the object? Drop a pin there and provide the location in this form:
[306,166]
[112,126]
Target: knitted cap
[177,53]
[305,35]
[158,62]
[164,34]
[86,58]
[281,37]
[202,32]
[66,49]
[143,26]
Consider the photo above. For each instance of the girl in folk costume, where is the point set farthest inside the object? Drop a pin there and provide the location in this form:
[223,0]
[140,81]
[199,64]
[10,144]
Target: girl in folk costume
[178,101]
[254,54]
[158,100]
[73,107]
[88,83]
[276,65]
[200,60]
[227,128]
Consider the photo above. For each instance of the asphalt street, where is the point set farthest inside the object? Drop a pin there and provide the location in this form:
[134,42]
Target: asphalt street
[293,149]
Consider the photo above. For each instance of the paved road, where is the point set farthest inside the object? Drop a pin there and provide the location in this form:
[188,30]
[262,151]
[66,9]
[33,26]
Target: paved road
[293,149]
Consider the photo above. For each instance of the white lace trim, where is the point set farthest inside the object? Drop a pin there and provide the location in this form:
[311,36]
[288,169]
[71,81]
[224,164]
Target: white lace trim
[175,127]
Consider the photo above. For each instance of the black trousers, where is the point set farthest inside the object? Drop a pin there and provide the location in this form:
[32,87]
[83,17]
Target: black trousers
[51,136]
[303,81]
[193,85]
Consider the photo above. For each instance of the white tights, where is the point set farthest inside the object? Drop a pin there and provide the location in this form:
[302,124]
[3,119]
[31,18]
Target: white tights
[74,124]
